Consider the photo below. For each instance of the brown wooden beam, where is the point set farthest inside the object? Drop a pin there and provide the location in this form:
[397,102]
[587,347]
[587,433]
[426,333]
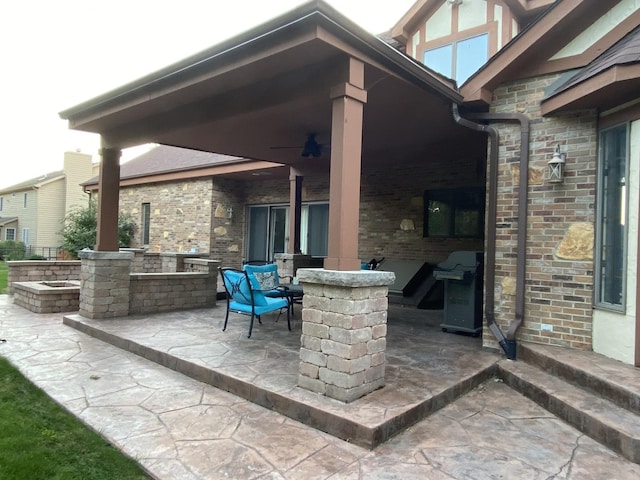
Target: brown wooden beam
[108,199]
[346,162]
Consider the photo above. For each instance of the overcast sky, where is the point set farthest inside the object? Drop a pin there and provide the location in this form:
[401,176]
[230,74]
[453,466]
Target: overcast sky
[56,54]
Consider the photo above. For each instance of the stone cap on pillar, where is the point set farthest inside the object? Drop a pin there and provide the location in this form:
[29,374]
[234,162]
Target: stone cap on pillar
[351,278]
[104,255]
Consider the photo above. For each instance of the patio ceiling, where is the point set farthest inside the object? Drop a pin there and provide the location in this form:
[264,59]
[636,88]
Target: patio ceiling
[270,87]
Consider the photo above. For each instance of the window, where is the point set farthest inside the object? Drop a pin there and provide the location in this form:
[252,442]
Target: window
[459,60]
[611,226]
[24,202]
[10,234]
[146,222]
[457,212]
[25,236]
[1,202]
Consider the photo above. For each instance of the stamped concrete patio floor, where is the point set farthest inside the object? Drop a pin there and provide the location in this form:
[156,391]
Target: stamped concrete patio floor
[178,428]
[426,368]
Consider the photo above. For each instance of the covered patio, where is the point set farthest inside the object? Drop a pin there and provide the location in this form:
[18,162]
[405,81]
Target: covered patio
[309,74]
[426,368]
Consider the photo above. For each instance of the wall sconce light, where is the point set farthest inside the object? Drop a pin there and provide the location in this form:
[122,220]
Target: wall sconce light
[229,213]
[556,166]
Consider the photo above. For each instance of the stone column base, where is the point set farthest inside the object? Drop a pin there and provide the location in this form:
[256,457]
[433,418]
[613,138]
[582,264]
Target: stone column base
[105,284]
[344,328]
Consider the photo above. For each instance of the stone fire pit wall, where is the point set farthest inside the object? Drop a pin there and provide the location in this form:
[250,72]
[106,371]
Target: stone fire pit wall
[344,328]
[42,270]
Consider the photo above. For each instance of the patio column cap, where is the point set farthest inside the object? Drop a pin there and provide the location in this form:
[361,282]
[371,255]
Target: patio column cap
[349,278]
[102,255]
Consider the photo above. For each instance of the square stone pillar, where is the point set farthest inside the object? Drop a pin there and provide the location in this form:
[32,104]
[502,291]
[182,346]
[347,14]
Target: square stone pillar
[344,328]
[104,283]
[138,259]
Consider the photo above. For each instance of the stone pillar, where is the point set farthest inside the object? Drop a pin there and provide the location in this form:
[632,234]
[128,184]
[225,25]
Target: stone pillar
[104,284]
[173,262]
[138,259]
[344,328]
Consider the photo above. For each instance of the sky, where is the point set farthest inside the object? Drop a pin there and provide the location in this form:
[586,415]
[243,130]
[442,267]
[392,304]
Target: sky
[56,54]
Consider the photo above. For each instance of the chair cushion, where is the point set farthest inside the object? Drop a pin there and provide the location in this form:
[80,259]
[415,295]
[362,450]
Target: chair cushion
[236,284]
[266,276]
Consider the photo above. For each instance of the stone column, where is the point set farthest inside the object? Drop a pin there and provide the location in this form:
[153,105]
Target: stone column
[104,284]
[344,328]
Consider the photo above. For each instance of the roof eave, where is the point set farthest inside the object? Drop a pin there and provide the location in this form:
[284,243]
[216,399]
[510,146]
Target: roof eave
[317,11]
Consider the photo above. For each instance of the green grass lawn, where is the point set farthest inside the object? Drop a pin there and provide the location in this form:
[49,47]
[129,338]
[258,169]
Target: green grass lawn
[40,440]
[4,273]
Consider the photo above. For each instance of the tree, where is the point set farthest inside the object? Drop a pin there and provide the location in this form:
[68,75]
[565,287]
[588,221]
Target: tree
[81,225]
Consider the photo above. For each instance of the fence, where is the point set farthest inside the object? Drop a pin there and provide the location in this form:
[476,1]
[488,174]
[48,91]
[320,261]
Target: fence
[18,251]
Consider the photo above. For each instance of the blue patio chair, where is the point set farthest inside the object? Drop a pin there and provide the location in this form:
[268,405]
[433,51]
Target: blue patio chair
[244,296]
[269,280]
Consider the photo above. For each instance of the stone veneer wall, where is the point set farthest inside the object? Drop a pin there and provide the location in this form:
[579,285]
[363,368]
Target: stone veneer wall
[560,222]
[42,270]
[180,214]
[227,234]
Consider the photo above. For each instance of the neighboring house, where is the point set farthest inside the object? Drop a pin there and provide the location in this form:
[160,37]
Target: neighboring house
[558,94]
[33,211]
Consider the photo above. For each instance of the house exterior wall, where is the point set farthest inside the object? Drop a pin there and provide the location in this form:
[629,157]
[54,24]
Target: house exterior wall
[392,208]
[560,221]
[614,333]
[78,168]
[50,214]
[180,214]
[13,206]
[227,235]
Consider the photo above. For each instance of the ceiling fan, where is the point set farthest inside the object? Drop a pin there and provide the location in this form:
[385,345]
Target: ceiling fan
[311,147]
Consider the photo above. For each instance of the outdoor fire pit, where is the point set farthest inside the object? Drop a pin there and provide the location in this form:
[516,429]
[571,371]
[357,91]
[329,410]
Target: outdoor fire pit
[47,296]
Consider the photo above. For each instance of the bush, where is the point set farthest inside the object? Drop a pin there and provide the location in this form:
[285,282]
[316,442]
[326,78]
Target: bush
[12,250]
[81,225]
[36,257]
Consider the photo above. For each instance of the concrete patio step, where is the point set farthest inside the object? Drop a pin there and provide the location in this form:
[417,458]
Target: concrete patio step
[608,378]
[419,383]
[603,420]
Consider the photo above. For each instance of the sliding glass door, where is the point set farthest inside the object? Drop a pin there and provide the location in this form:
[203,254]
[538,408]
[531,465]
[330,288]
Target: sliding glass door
[268,230]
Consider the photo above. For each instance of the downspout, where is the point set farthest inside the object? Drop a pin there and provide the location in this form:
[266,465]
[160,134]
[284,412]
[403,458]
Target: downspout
[508,342]
[490,273]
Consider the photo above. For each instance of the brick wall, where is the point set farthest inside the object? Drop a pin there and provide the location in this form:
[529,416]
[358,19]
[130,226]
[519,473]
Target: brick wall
[559,263]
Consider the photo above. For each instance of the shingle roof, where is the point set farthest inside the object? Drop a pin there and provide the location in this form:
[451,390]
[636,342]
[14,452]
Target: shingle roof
[625,52]
[5,220]
[27,184]
[166,159]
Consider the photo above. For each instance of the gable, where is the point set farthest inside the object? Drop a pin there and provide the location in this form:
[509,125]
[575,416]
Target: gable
[569,35]
[456,37]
